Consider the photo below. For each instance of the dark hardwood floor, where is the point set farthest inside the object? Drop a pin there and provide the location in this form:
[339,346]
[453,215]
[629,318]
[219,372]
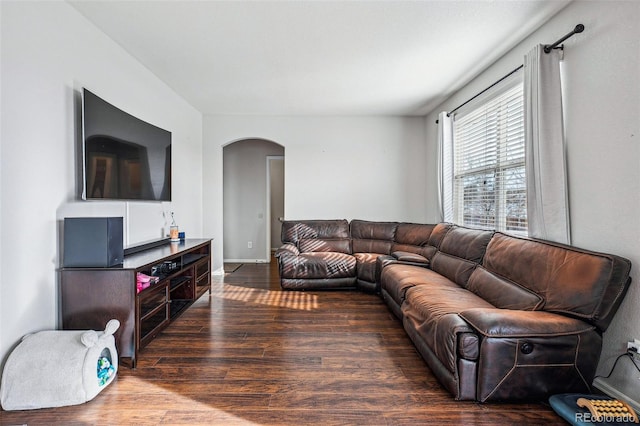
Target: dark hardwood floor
[254,355]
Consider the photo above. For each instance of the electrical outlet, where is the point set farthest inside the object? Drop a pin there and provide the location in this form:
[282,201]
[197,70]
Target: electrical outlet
[250,244]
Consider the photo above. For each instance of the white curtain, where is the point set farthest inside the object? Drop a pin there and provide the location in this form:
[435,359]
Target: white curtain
[547,194]
[445,166]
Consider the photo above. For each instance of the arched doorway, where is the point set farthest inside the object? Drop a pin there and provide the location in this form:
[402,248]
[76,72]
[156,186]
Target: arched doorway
[253,192]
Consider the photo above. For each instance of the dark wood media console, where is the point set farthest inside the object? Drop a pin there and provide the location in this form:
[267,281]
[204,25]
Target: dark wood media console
[92,296]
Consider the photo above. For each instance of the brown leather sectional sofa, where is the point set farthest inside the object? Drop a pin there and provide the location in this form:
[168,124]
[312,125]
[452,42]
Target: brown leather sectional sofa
[496,317]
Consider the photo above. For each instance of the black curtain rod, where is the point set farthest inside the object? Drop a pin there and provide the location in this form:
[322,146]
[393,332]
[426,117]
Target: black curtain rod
[547,49]
[488,88]
[478,94]
[578,29]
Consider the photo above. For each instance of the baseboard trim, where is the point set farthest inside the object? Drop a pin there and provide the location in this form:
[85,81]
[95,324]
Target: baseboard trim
[246,261]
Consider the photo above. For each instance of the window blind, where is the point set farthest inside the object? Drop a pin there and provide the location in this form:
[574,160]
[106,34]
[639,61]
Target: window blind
[489,189]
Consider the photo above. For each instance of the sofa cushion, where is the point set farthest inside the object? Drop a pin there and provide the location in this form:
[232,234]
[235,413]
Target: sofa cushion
[309,245]
[501,292]
[371,246]
[460,251]
[438,233]
[397,278]
[320,265]
[432,310]
[372,237]
[414,238]
[415,234]
[364,229]
[456,269]
[466,243]
[572,281]
[294,231]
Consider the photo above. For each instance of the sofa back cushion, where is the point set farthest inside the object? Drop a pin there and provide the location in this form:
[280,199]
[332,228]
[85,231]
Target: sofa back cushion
[317,235]
[372,237]
[414,238]
[570,280]
[501,292]
[438,233]
[460,251]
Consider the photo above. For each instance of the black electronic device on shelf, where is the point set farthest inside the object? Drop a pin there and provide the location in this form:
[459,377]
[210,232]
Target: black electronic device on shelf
[91,242]
[165,268]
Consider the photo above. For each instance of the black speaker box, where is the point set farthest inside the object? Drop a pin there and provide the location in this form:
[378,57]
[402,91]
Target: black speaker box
[92,242]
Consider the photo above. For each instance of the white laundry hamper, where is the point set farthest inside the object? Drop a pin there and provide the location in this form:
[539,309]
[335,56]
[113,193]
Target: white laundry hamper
[59,367]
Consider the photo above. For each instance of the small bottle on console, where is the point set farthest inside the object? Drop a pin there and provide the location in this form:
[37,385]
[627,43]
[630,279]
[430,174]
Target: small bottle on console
[173,230]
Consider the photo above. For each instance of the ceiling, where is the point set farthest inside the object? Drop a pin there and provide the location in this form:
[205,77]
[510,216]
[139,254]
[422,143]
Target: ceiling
[317,57]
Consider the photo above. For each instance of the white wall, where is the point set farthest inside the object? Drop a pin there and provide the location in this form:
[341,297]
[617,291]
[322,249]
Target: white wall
[370,168]
[601,78]
[49,51]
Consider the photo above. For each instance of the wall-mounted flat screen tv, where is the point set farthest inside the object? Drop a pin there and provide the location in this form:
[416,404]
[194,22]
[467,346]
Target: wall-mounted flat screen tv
[124,158]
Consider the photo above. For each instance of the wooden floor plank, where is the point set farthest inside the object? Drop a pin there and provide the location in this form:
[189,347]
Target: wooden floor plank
[251,354]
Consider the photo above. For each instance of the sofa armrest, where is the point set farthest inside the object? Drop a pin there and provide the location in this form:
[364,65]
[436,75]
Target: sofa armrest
[381,262]
[410,258]
[397,258]
[532,354]
[499,323]
[287,249]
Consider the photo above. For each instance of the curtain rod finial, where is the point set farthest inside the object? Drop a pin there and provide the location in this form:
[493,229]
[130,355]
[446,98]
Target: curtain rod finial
[579,28]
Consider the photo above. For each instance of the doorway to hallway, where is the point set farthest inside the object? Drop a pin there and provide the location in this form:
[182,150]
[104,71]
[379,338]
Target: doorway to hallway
[253,199]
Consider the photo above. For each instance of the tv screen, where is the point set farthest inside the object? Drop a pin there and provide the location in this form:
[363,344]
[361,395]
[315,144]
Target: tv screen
[124,158]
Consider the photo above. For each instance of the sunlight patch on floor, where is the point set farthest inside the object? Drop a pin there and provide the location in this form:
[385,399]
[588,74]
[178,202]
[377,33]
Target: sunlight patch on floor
[195,412]
[283,299]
